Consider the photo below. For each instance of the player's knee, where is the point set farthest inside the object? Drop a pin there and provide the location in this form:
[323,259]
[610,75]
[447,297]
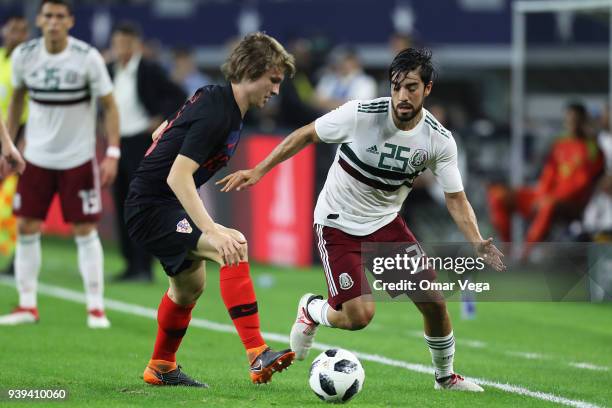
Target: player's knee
[27,226]
[188,296]
[83,229]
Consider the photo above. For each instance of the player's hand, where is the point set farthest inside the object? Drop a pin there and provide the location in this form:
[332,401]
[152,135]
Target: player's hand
[230,249]
[490,254]
[158,132]
[239,179]
[108,171]
[11,160]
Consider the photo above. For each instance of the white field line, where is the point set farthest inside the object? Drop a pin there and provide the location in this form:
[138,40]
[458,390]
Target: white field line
[589,366]
[522,354]
[119,306]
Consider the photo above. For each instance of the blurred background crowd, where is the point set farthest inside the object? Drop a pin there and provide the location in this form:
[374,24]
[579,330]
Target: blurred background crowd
[343,49]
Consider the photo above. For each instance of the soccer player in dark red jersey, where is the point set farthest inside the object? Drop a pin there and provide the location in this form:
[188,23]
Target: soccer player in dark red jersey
[165,214]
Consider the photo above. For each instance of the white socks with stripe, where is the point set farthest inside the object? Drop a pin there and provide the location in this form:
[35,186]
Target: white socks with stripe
[91,266]
[442,354]
[27,268]
[317,309]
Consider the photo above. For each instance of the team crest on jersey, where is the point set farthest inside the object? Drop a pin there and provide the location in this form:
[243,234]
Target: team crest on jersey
[183,226]
[346,282]
[418,158]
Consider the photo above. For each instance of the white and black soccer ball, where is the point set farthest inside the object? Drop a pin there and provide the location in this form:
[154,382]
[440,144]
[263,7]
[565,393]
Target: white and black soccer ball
[336,375]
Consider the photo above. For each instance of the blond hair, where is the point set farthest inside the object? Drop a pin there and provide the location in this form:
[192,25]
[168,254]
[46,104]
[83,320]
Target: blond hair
[254,55]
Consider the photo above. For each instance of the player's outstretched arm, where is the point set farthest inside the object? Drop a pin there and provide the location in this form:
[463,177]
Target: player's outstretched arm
[291,145]
[463,214]
[11,159]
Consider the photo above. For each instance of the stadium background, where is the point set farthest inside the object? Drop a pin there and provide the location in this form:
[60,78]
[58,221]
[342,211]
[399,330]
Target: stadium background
[567,60]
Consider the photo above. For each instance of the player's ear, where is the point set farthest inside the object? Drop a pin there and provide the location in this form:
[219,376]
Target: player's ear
[39,20]
[70,21]
[428,87]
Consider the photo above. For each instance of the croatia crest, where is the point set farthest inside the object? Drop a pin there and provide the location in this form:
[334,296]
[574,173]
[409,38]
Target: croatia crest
[183,226]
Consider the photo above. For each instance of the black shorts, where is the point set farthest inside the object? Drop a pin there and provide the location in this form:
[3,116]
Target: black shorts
[166,232]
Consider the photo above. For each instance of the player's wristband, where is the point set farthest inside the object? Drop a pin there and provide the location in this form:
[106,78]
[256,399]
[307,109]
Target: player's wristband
[113,152]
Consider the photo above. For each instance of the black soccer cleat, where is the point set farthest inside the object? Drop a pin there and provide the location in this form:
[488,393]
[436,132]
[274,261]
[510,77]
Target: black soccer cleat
[269,362]
[162,374]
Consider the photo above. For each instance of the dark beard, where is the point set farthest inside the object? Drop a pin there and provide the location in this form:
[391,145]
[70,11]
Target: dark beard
[409,117]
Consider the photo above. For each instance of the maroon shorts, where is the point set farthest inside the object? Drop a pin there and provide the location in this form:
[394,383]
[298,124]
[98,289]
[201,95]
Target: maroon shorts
[345,265]
[78,189]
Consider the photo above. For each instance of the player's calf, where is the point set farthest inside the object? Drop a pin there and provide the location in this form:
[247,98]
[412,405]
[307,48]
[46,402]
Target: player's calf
[355,314]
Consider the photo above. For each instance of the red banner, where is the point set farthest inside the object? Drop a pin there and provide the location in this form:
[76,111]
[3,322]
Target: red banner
[282,204]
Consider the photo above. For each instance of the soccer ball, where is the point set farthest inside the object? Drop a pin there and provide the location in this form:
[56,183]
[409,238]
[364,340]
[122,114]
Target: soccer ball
[336,375]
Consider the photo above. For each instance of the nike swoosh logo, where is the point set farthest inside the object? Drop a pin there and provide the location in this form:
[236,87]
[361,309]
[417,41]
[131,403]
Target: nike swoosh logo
[256,367]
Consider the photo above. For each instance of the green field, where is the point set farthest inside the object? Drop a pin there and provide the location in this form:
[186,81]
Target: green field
[530,346]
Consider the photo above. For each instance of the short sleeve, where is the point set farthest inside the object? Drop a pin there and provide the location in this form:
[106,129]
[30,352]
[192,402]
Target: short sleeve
[445,167]
[337,126]
[17,68]
[204,136]
[99,79]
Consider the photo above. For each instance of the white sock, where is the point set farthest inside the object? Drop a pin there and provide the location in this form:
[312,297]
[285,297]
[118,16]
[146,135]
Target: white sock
[91,266]
[442,354]
[27,268]
[317,309]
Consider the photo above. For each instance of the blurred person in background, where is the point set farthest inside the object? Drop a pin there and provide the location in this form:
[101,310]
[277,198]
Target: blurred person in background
[344,81]
[145,95]
[296,106]
[14,31]
[399,42]
[62,76]
[165,214]
[186,73]
[564,186]
[598,213]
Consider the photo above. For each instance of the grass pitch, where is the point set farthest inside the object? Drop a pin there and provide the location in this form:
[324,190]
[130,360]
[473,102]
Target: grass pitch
[563,349]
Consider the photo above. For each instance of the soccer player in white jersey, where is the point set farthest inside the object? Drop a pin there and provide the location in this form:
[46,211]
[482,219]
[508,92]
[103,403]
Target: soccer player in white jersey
[64,78]
[384,144]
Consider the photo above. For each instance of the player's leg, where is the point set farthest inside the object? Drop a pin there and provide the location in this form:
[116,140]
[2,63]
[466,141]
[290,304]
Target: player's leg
[438,330]
[91,267]
[440,339]
[27,269]
[80,198]
[35,190]
[173,317]
[349,304]
[238,295]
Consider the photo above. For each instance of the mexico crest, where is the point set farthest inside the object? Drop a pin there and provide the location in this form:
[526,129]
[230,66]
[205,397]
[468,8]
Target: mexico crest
[346,282]
[418,158]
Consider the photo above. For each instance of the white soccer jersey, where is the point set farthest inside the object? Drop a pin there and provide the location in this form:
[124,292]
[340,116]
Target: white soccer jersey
[377,163]
[63,87]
